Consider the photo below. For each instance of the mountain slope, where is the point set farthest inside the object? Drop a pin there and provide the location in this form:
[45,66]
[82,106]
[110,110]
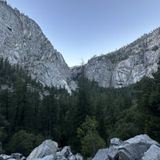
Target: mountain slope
[126,65]
[22,42]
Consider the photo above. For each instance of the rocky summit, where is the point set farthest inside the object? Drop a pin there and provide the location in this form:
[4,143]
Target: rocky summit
[22,42]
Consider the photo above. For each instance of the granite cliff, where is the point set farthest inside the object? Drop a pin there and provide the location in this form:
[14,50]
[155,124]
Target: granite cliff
[126,65]
[22,42]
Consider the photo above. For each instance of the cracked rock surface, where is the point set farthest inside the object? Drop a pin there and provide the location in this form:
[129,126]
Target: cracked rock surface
[22,42]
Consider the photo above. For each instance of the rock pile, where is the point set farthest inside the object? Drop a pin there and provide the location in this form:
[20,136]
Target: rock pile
[141,147]
[48,150]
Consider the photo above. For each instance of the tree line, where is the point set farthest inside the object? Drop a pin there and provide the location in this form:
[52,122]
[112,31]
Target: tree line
[86,119]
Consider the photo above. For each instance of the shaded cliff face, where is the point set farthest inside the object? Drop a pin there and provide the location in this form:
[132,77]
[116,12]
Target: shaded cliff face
[22,42]
[126,65]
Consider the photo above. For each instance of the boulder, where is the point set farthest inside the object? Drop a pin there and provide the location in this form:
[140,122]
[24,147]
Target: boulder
[78,156]
[48,147]
[115,142]
[153,153]
[59,156]
[4,157]
[134,148]
[16,156]
[131,149]
[66,154]
[112,153]
[66,151]
[143,138]
[102,154]
[72,157]
[13,156]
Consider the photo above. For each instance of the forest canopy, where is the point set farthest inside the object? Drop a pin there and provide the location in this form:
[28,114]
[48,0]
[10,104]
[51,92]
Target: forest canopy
[30,113]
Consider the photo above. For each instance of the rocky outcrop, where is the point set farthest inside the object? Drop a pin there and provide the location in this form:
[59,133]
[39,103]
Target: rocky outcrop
[22,42]
[125,66]
[141,147]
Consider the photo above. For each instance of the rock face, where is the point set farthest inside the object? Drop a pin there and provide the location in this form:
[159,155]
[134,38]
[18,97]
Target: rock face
[141,147]
[126,65]
[22,42]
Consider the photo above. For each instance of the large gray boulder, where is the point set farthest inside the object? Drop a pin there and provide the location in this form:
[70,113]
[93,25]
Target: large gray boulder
[48,147]
[132,149]
[153,153]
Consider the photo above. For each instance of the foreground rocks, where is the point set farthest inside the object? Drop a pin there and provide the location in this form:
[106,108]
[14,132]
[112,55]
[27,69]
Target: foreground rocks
[141,147]
[48,150]
[48,147]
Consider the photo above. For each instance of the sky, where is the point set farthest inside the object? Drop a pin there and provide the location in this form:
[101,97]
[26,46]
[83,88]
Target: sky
[81,29]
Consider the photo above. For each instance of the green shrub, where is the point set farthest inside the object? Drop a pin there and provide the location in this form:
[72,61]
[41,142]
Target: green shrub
[23,142]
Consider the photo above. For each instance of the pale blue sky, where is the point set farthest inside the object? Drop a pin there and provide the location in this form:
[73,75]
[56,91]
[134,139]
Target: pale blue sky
[80,29]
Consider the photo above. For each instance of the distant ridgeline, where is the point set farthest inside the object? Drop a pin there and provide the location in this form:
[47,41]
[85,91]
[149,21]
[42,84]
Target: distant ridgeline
[89,117]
